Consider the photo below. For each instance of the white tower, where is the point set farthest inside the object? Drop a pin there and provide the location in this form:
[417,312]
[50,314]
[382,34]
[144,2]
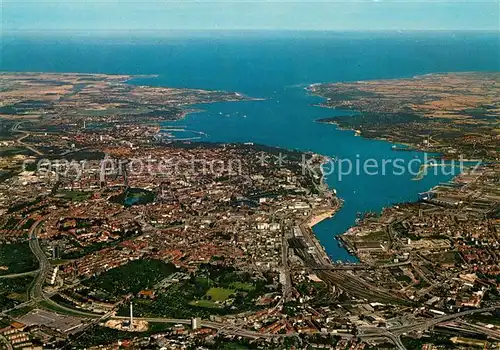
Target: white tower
[131,316]
[195,323]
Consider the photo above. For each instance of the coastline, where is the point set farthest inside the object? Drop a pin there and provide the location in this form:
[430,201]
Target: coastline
[322,215]
[395,143]
[402,110]
[189,109]
[318,218]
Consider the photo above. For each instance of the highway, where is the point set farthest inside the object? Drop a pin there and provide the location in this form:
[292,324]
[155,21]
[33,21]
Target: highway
[394,333]
[375,333]
[19,140]
[36,293]
[36,289]
[434,321]
[224,328]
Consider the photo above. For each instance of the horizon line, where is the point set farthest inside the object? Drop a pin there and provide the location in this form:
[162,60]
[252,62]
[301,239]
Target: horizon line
[235,31]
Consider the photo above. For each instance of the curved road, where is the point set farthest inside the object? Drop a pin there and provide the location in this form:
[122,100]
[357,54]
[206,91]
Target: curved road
[19,140]
[36,289]
[394,333]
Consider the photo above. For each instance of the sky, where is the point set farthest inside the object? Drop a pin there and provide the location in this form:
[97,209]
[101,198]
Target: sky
[164,15]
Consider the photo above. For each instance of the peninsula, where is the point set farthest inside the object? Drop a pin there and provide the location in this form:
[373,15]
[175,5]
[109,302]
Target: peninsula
[452,113]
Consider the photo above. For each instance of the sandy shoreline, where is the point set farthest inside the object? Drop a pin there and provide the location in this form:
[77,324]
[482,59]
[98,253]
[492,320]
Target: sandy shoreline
[317,218]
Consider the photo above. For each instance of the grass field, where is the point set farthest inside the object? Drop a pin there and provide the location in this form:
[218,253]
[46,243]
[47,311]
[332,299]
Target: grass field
[214,297]
[243,286]
[219,294]
[209,304]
